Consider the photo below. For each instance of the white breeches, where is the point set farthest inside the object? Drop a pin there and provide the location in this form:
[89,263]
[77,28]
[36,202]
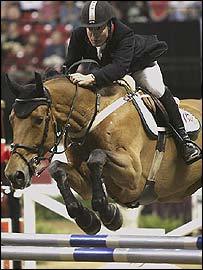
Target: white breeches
[151,79]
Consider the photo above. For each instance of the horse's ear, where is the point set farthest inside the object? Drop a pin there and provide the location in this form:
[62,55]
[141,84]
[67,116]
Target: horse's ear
[39,84]
[13,86]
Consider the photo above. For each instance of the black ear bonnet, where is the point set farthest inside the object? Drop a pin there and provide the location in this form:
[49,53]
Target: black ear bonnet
[28,97]
[29,100]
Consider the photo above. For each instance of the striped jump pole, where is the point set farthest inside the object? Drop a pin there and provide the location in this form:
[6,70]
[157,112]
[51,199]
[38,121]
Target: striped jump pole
[109,241]
[130,255]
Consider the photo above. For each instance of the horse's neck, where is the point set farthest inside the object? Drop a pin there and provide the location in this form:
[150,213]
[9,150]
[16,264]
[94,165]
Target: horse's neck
[63,92]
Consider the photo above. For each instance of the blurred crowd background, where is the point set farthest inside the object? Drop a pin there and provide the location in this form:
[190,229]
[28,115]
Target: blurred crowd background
[35,34]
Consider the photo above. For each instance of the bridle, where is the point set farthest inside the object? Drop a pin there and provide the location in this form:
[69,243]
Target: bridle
[32,163]
[74,139]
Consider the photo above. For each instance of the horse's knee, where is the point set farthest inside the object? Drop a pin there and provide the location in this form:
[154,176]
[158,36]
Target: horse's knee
[97,157]
[57,171]
[54,166]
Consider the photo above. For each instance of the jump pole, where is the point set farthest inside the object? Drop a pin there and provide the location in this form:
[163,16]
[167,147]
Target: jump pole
[109,241]
[102,254]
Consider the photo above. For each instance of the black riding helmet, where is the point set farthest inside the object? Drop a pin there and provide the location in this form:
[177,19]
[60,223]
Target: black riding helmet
[96,13]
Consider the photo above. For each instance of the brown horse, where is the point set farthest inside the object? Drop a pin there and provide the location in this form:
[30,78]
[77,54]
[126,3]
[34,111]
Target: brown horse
[113,160]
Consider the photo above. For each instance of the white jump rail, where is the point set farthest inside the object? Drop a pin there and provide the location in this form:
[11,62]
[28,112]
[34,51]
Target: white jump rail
[140,255]
[107,241]
[41,194]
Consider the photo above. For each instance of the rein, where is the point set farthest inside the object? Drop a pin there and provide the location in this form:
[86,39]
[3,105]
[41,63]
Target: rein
[67,132]
[33,162]
[67,72]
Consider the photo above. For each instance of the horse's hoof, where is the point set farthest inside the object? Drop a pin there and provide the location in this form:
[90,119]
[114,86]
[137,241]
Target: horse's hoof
[88,222]
[112,218]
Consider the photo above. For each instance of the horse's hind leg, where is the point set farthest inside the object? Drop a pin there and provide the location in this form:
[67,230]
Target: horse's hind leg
[109,213]
[85,218]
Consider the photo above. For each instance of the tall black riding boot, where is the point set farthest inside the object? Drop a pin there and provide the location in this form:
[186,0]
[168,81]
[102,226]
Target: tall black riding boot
[188,149]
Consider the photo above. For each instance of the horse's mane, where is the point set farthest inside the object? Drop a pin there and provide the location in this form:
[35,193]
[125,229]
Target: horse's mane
[51,73]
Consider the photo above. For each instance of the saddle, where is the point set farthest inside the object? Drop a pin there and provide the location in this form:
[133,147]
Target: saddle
[148,111]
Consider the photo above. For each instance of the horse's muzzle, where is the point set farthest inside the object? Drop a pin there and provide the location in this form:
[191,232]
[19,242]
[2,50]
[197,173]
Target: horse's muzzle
[18,180]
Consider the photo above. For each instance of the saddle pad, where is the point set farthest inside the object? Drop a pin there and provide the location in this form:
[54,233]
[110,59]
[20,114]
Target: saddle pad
[146,116]
[191,123]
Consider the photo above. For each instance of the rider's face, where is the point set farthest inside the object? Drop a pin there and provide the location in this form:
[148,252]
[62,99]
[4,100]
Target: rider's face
[97,35]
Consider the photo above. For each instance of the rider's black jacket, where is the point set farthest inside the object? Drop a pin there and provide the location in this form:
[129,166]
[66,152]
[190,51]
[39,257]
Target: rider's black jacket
[125,52]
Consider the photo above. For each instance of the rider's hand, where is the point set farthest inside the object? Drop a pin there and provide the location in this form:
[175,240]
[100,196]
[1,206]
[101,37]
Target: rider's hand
[83,80]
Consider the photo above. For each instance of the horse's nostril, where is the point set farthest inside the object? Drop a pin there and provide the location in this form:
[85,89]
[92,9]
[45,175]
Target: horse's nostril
[19,176]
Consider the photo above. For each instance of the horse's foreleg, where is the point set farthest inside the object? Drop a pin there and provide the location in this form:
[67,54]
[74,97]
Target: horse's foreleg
[109,213]
[85,218]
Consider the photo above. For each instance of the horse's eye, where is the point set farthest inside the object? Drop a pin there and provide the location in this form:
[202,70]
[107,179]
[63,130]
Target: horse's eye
[38,120]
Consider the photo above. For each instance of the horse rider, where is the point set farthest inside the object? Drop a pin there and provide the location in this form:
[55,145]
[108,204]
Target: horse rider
[119,51]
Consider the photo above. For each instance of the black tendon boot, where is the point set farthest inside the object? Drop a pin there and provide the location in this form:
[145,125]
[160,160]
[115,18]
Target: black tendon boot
[189,150]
